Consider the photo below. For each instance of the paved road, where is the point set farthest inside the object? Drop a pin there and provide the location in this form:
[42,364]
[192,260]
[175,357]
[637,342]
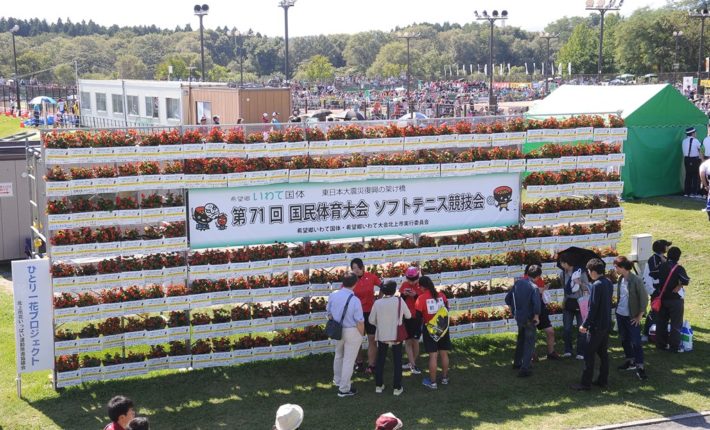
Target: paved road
[688,423]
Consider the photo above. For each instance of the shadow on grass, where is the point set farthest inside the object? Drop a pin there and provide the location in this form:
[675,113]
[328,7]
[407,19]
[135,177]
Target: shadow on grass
[483,390]
[671,202]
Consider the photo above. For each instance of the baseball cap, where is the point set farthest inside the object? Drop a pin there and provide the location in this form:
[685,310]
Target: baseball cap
[388,422]
[412,272]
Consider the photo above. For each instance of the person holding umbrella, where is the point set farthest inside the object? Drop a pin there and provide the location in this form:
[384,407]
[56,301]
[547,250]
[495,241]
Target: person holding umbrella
[575,283]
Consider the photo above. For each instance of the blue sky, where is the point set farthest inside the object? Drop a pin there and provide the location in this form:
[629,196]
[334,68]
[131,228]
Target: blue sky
[308,17]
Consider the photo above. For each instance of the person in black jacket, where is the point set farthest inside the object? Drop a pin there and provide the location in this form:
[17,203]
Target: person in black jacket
[672,304]
[597,326]
[651,281]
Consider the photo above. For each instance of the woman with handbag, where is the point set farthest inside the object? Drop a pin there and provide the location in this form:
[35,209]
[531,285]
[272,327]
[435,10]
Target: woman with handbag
[575,283]
[386,315]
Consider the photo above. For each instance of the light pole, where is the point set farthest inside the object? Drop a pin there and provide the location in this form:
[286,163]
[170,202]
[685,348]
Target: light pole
[492,18]
[602,6]
[702,15]
[286,4]
[201,11]
[240,53]
[676,66]
[408,37]
[548,37]
[14,30]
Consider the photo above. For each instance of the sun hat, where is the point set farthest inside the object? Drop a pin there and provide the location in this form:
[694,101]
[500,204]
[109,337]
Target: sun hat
[388,422]
[288,417]
[412,272]
[689,131]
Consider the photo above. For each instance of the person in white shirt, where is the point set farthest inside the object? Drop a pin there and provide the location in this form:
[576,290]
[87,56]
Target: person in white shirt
[704,176]
[691,160]
[706,146]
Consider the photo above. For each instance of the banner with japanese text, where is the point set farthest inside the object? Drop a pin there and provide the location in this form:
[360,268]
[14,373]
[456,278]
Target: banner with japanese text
[32,301]
[316,211]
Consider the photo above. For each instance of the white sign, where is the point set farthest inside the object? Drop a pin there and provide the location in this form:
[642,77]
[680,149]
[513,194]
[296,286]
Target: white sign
[6,189]
[34,334]
[314,211]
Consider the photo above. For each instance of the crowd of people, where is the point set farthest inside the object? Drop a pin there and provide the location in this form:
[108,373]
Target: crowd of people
[396,317]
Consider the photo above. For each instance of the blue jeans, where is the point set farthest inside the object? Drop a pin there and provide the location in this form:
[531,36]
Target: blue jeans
[630,336]
[525,345]
[569,326]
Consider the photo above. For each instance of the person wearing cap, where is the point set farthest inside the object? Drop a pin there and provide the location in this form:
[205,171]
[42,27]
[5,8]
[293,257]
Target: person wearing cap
[215,120]
[545,324]
[651,280]
[344,307]
[524,302]
[265,118]
[691,160]
[388,422]
[387,314]
[288,417]
[275,118]
[409,291]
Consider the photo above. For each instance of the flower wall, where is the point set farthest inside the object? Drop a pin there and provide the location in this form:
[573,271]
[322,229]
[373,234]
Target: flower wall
[130,296]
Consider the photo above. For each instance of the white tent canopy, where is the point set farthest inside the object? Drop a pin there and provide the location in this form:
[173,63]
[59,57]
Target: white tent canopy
[595,99]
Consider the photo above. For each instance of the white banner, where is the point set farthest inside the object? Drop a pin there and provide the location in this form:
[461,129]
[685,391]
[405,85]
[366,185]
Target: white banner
[34,334]
[313,211]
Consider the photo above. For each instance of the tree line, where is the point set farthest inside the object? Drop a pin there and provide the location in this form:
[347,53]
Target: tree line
[640,43]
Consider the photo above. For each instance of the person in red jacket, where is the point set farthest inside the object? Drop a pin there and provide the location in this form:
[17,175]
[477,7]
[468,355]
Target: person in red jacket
[121,411]
[427,305]
[409,291]
[365,291]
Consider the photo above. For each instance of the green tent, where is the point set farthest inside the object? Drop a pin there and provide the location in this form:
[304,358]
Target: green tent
[656,117]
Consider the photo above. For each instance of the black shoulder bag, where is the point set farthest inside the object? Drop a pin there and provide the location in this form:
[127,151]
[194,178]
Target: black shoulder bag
[333,328]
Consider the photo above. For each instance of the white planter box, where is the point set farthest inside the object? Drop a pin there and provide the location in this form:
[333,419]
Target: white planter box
[170,152]
[178,333]
[157,363]
[56,155]
[150,182]
[64,315]
[89,374]
[280,294]
[193,150]
[240,327]
[156,337]
[240,356]
[234,150]
[320,290]
[262,353]
[375,172]
[65,347]
[298,176]
[321,347]
[194,180]
[201,361]
[262,325]
[135,369]
[222,329]
[282,323]
[280,352]
[68,379]
[179,361]
[135,338]
[240,296]
[300,321]
[178,303]
[215,181]
[112,341]
[113,371]
[221,359]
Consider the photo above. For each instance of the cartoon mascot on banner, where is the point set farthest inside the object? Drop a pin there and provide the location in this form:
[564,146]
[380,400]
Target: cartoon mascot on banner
[503,195]
[203,215]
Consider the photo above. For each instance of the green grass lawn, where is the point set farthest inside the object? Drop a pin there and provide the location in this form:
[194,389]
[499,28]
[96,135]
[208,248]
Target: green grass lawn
[9,126]
[484,391]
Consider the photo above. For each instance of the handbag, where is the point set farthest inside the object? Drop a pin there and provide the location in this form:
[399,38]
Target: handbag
[402,333]
[333,328]
[657,301]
